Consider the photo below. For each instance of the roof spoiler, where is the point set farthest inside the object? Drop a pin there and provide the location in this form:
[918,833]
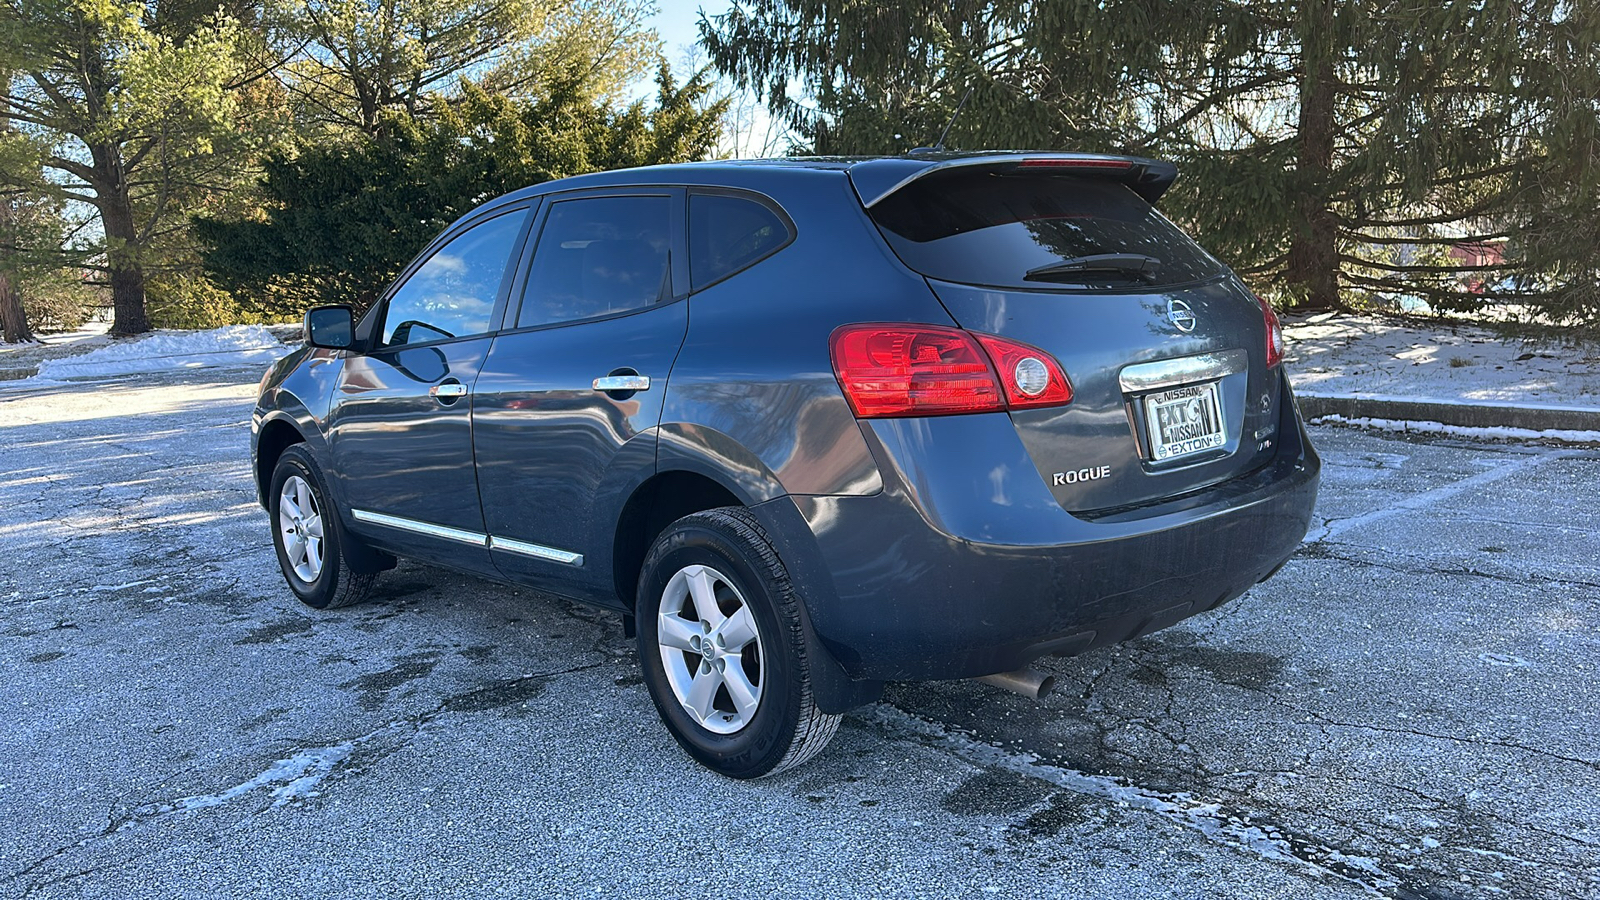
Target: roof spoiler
[878,179]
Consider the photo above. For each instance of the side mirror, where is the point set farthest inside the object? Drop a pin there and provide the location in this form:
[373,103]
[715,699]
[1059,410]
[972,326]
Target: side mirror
[331,327]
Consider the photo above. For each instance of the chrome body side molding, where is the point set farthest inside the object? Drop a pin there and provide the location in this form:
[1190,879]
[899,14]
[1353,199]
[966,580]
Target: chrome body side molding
[538,551]
[412,525]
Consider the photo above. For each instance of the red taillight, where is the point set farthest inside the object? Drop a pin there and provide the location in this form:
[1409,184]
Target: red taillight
[1031,376]
[1048,163]
[928,370]
[1274,332]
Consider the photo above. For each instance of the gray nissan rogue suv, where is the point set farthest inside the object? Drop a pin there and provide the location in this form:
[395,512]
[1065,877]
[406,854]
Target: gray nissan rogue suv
[809,425]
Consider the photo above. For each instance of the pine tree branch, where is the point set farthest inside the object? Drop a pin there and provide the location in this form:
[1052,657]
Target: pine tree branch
[72,167]
[14,107]
[1468,239]
[132,162]
[1438,269]
[1473,212]
[1205,105]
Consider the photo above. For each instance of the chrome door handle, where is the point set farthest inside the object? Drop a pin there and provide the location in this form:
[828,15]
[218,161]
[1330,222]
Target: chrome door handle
[448,390]
[623,383]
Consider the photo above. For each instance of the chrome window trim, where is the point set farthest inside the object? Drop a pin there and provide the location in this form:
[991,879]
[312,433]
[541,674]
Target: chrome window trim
[1164,373]
[427,528]
[537,551]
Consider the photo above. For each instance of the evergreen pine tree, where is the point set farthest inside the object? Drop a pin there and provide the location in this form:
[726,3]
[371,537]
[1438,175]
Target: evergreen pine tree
[1332,151]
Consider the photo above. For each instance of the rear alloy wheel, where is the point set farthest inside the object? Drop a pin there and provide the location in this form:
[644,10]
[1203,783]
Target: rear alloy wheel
[710,649]
[723,647]
[308,538]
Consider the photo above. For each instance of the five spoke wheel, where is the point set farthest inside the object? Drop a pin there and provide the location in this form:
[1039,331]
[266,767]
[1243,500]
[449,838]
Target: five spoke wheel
[711,649]
[300,520]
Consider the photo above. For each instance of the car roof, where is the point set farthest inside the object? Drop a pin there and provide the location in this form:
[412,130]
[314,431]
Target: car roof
[874,177]
[729,172]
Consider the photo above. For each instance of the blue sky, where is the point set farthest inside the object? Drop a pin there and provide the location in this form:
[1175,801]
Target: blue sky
[675,22]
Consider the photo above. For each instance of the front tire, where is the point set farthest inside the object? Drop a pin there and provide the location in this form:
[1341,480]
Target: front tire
[723,647]
[308,537]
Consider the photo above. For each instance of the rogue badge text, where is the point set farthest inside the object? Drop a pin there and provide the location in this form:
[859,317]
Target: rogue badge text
[1061,478]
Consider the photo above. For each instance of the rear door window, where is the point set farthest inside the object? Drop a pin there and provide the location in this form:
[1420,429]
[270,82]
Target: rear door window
[989,229]
[730,233]
[599,256]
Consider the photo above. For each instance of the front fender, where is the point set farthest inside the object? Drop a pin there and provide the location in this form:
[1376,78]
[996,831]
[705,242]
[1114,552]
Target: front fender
[297,393]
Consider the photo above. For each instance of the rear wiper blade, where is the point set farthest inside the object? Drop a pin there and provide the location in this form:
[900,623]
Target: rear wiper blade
[1135,264]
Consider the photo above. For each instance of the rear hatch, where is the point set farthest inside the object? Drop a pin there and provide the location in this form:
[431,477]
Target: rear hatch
[1164,347]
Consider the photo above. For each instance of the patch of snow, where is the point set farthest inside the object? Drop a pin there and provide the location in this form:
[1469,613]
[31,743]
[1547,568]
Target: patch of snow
[1366,356]
[118,587]
[1496,854]
[1449,401]
[289,779]
[1497,432]
[166,350]
[1503,659]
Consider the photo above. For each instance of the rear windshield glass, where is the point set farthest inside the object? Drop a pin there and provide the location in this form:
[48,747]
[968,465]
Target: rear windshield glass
[989,229]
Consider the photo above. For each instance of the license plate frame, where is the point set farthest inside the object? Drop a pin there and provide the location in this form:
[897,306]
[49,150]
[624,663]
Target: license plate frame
[1185,421]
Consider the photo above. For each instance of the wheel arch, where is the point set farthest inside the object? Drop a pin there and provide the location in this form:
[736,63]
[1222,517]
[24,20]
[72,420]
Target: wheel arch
[656,503]
[278,433]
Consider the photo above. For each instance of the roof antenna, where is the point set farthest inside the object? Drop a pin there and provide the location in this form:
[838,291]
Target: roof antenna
[939,145]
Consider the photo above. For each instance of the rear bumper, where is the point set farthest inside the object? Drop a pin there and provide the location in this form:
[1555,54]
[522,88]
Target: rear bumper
[898,587]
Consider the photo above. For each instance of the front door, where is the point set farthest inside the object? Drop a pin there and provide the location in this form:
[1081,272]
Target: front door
[566,406]
[400,424]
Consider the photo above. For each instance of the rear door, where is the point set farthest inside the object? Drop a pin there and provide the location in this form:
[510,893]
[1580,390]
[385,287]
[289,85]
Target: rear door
[1164,347]
[400,426]
[566,406]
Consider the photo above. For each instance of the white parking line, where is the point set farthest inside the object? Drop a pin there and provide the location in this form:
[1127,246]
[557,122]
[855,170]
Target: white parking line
[1209,818]
[1335,527]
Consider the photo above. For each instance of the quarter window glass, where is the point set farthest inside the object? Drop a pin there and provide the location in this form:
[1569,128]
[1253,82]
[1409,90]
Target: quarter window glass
[453,293]
[728,233]
[598,256]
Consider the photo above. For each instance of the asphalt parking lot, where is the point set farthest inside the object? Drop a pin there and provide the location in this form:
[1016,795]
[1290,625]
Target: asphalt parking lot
[1407,710]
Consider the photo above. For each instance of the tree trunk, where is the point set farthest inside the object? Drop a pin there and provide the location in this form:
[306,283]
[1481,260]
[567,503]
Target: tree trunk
[13,318]
[1312,269]
[122,242]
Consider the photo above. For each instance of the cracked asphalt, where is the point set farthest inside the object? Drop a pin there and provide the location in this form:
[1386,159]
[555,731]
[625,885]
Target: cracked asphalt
[1407,710]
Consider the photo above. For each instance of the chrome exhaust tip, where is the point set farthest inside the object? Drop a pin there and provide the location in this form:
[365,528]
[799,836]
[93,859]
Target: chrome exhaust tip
[1030,683]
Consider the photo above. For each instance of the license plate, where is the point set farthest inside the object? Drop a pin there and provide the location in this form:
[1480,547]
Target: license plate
[1184,421]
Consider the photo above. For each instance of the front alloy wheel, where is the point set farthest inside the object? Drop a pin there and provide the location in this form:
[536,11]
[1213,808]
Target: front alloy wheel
[300,520]
[312,548]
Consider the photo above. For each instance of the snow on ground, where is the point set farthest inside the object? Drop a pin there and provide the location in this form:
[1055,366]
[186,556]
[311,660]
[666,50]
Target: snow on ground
[1497,432]
[1328,355]
[1366,356]
[22,360]
[166,350]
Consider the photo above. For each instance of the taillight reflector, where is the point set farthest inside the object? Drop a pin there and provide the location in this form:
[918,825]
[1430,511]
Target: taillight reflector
[889,370]
[1274,332]
[1031,377]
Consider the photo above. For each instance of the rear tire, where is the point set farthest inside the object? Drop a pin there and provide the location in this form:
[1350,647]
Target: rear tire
[310,542]
[723,647]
